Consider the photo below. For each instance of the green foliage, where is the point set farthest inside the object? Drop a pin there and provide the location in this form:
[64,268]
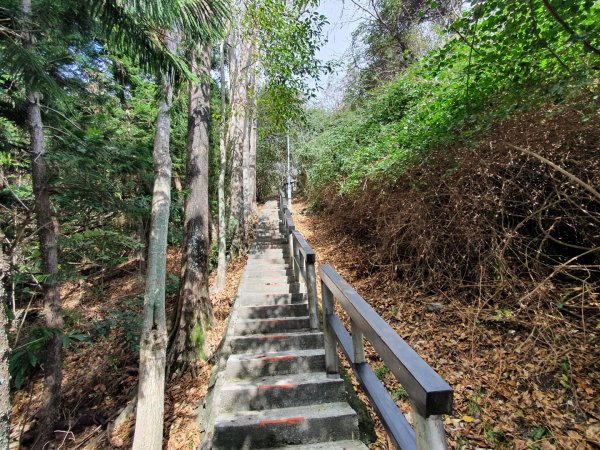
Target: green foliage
[537,434]
[289,34]
[126,320]
[497,438]
[382,371]
[399,394]
[565,375]
[27,358]
[505,55]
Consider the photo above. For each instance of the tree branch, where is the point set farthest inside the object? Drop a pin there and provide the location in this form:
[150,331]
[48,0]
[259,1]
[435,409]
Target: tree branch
[567,28]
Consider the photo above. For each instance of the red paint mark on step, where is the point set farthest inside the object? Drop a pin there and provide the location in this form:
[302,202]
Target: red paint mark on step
[277,358]
[266,387]
[272,320]
[273,336]
[290,421]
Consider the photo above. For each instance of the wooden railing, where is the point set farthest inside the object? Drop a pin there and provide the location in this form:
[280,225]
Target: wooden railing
[302,260]
[430,396]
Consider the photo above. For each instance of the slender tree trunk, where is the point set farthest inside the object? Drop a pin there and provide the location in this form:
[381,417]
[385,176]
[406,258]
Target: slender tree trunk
[194,309]
[222,264]
[252,161]
[246,170]
[239,60]
[4,354]
[53,354]
[153,342]
[248,118]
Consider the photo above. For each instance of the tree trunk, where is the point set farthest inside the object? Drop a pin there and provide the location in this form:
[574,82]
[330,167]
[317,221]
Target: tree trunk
[248,116]
[252,162]
[222,263]
[194,309]
[153,341]
[239,60]
[4,354]
[49,257]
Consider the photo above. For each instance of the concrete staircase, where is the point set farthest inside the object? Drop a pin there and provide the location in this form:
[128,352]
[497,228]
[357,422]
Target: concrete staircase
[274,390]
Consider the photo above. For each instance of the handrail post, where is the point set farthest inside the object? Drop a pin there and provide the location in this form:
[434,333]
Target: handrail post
[429,431]
[295,258]
[292,255]
[357,343]
[331,356]
[311,288]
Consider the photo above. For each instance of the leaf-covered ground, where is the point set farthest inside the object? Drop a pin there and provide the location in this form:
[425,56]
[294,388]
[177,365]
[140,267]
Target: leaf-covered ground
[512,389]
[100,374]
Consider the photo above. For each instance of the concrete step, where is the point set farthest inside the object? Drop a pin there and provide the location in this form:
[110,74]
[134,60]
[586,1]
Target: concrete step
[261,266]
[270,311]
[258,287]
[270,325]
[277,342]
[261,253]
[266,260]
[276,271]
[335,445]
[275,363]
[261,250]
[269,298]
[300,425]
[267,278]
[279,240]
[281,392]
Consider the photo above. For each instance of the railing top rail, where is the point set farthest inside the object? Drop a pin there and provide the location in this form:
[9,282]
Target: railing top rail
[304,248]
[430,394]
[289,222]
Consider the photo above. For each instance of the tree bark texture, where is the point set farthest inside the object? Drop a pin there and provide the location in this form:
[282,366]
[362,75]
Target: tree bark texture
[248,113]
[239,61]
[222,263]
[194,309]
[53,353]
[153,341]
[4,355]
[252,150]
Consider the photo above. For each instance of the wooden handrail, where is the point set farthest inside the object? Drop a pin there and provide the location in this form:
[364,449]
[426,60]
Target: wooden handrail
[429,395]
[302,261]
[398,428]
[303,247]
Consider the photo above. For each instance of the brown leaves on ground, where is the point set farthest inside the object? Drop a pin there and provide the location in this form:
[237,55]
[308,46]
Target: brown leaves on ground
[514,388]
[101,377]
[509,246]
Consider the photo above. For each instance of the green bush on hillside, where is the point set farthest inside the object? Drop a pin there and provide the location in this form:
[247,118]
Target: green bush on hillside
[506,55]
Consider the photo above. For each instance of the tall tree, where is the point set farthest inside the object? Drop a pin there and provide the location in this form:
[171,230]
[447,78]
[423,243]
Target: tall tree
[222,261]
[194,309]
[249,117]
[252,133]
[4,353]
[239,68]
[48,249]
[153,340]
